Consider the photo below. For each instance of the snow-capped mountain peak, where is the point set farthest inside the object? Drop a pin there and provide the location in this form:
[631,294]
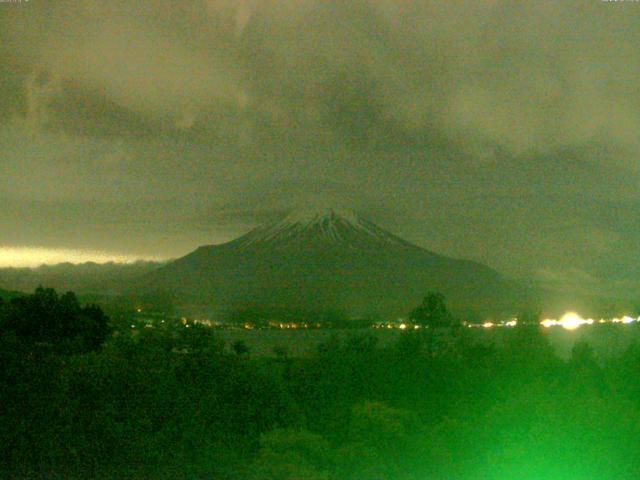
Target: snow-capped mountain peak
[325,226]
[314,216]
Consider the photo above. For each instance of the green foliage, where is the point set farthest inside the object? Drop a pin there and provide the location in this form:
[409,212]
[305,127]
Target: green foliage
[381,442]
[240,347]
[293,455]
[432,312]
[174,404]
[281,352]
[198,338]
[58,321]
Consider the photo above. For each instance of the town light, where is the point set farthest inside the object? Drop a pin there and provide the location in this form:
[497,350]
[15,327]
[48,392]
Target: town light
[571,321]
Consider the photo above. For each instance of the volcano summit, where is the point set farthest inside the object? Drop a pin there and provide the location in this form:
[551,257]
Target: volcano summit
[326,260]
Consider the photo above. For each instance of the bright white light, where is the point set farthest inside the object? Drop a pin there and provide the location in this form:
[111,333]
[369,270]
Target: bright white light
[36,256]
[487,324]
[546,323]
[571,321]
[627,319]
[511,323]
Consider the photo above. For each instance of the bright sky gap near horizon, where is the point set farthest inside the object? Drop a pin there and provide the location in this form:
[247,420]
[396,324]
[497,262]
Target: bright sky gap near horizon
[21,257]
[486,130]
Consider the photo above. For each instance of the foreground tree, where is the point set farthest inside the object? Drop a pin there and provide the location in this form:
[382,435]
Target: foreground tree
[59,321]
[432,312]
[292,455]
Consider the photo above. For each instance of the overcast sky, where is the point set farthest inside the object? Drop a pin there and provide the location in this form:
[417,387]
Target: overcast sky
[502,131]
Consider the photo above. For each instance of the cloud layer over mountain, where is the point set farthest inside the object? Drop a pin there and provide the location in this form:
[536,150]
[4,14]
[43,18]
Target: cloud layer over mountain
[504,132]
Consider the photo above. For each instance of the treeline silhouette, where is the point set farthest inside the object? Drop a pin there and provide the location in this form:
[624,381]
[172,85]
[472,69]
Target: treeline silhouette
[173,403]
[59,322]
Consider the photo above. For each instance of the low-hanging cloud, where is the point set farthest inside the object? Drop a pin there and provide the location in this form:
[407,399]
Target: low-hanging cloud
[453,116]
[524,76]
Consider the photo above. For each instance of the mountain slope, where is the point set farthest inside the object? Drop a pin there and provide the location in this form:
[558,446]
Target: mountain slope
[327,260]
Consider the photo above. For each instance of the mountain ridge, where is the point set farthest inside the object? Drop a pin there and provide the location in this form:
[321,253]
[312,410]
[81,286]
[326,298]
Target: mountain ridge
[325,261]
[330,226]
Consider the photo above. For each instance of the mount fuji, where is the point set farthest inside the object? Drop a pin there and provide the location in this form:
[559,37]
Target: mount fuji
[326,260]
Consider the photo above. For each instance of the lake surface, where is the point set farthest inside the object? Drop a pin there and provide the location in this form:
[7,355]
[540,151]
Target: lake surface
[606,340]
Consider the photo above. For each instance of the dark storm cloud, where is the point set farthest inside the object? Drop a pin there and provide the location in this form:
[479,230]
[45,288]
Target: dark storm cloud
[501,131]
[522,76]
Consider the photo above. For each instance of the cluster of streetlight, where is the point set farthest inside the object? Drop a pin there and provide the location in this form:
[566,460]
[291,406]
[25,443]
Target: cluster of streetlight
[489,324]
[569,321]
[572,321]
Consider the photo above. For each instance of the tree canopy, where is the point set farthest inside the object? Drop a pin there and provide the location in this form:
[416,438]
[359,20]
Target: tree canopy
[58,320]
[432,312]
